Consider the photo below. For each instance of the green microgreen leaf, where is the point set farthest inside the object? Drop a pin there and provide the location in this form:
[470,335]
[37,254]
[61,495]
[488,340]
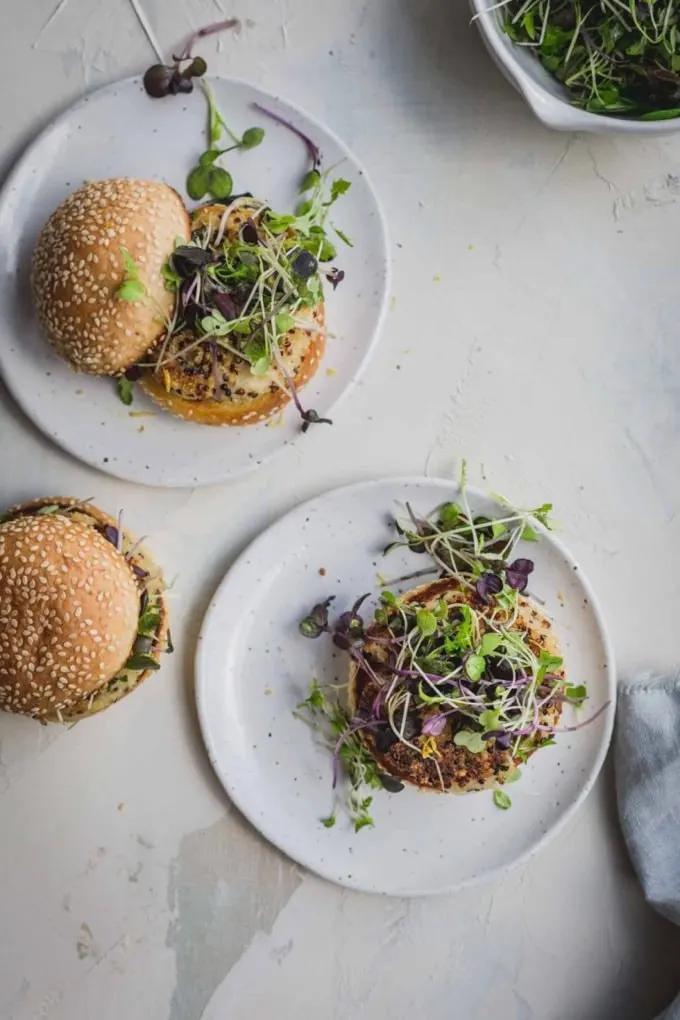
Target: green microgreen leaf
[149,622]
[220,182]
[129,264]
[507,598]
[310,181]
[342,236]
[198,182]
[475,666]
[501,800]
[172,279]
[138,663]
[362,822]
[131,290]
[490,643]
[427,622]
[490,719]
[547,663]
[208,157]
[473,741]
[284,322]
[529,534]
[315,700]
[261,366]
[216,122]
[252,138]
[389,598]
[254,351]
[449,514]
[124,387]
[278,224]
[339,187]
[330,821]
[577,694]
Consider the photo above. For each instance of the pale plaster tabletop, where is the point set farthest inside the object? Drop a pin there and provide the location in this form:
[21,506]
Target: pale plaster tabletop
[533,329]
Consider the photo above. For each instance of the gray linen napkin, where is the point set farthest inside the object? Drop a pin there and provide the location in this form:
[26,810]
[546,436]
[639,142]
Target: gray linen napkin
[647,764]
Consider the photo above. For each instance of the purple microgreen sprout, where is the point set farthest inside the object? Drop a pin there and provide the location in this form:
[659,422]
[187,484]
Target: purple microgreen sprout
[171,79]
[488,585]
[312,148]
[335,276]
[316,622]
[349,628]
[111,534]
[517,574]
[434,726]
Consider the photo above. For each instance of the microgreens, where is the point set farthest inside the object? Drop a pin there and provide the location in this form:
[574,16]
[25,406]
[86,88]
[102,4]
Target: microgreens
[341,734]
[464,668]
[206,178]
[616,57]
[124,387]
[132,288]
[312,148]
[242,294]
[170,79]
[501,800]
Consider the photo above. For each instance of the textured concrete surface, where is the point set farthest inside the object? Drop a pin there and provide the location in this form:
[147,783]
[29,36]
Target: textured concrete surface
[533,330]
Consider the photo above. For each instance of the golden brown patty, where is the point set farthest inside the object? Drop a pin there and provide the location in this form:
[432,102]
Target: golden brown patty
[460,769]
[186,385]
[78,267]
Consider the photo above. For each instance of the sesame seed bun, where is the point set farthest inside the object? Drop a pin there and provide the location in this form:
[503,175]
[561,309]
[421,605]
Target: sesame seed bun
[461,770]
[78,267]
[69,610]
[187,387]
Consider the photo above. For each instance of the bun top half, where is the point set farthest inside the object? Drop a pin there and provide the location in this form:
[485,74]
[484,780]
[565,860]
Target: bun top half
[83,257]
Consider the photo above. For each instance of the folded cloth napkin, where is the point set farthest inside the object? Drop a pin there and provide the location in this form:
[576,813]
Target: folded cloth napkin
[647,763]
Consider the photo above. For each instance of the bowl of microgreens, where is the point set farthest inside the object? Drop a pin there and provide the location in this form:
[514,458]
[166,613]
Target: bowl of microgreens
[589,65]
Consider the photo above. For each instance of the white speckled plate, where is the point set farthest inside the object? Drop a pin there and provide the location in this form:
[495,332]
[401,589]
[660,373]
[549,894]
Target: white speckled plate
[253,667]
[120,131]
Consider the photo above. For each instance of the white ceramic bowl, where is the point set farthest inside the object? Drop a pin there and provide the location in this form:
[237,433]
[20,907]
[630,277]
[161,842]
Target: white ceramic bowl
[545,95]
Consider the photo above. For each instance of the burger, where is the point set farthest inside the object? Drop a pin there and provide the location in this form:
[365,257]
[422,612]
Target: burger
[97,272]
[83,619]
[219,317]
[448,736]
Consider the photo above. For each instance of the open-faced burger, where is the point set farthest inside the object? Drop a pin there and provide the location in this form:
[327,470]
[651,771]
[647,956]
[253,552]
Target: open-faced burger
[249,326]
[446,716]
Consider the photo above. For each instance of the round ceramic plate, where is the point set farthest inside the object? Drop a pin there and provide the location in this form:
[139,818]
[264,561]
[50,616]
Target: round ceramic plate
[119,131]
[253,668]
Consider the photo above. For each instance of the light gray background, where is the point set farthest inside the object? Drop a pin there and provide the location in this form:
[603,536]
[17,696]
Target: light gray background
[533,330]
